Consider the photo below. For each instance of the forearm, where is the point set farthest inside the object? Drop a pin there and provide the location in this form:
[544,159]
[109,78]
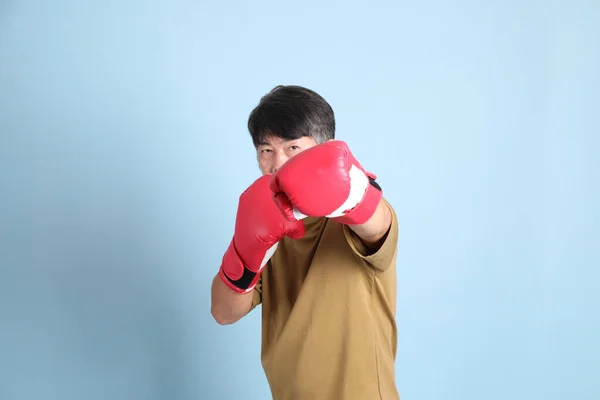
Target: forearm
[375,229]
[228,306]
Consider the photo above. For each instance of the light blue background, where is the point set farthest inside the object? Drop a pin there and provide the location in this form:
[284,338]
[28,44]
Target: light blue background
[123,149]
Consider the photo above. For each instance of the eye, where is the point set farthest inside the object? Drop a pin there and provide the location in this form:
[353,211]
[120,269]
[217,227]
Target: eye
[263,151]
[294,147]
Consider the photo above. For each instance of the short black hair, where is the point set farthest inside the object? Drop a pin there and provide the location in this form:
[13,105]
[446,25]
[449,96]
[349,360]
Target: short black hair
[291,112]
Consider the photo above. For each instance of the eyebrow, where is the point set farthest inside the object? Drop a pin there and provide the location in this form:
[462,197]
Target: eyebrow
[282,141]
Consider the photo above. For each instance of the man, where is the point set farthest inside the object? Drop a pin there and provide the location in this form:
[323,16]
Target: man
[314,243]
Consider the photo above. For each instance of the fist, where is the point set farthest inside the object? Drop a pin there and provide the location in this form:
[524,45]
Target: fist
[326,181]
[259,226]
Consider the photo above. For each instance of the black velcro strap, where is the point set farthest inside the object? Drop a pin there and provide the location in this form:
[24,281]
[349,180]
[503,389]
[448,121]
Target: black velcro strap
[374,183]
[245,281]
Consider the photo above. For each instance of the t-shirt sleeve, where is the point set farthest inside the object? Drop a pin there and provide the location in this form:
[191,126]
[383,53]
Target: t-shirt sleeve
[384,256]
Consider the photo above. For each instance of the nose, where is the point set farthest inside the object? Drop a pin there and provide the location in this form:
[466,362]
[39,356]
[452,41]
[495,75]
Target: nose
[280,159]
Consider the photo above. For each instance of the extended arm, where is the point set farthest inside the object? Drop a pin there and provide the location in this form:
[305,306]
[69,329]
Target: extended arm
[326,180]
[375,229]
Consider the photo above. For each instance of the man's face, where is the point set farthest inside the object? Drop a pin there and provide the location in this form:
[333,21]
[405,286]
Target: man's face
[275,152]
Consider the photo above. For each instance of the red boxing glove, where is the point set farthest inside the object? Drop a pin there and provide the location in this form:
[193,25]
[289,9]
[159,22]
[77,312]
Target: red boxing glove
[259,226]
[326,181]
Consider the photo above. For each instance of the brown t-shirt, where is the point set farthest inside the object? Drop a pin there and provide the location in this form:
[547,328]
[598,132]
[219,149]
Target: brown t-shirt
[328,315]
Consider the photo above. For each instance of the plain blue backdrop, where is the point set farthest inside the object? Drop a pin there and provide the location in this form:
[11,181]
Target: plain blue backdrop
[124,148]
